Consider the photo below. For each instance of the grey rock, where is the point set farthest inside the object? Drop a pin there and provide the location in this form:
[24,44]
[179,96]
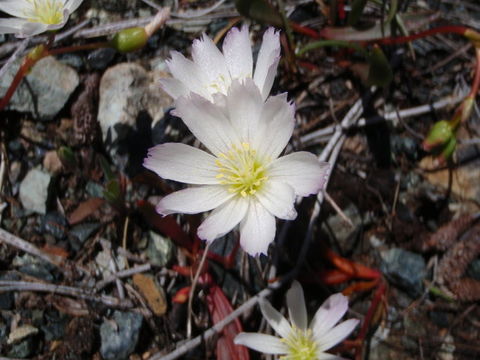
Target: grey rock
[131,103]
[54,224]
[33,266]
[473,269]
[405,269]
[34,190]
[93,189]
[340,230]
[101,58]
[80,233]
[118,339]
[45,90]
[160,250]
[24,349]
[6,298]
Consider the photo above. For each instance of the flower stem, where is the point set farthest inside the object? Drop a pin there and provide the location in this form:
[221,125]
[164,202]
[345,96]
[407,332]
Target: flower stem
[339,43]
[30,61]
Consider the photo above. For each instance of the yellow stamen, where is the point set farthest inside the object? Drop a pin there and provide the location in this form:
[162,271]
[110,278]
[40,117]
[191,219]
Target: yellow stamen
[46,11]
[242,170]
[301,345]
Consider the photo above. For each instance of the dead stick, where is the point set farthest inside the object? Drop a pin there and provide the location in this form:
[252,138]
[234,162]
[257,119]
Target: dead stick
[64,290]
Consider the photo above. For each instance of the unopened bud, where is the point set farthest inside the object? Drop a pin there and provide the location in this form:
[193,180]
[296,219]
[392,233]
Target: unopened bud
[448,149]
[440,134]
[129,40]
[36,53]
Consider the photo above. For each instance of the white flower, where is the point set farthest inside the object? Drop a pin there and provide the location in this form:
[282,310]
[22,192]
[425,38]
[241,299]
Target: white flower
[212,72]
[243,179]
[299,341]
[32,17]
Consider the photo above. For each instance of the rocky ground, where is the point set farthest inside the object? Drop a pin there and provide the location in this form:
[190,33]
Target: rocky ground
[109,278]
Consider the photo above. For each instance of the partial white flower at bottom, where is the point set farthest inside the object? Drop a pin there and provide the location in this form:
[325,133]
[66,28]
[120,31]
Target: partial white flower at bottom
[298,340]
[243,179]
[32,17]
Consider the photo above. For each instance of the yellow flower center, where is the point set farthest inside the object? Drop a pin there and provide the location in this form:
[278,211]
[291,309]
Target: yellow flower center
[219,85]
[301,345]
[46,11]
[241,170]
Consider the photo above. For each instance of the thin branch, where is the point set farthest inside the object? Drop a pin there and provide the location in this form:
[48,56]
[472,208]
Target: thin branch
[64,290]
[122,274]
[25,246]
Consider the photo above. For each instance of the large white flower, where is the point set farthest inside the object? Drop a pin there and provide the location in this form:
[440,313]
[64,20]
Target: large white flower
[242,178]
[32,17]
[212,72]
[298,340]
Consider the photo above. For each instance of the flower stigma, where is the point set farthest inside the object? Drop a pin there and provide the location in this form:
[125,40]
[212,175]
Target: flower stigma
[241,170]
[301,345]
[46,11]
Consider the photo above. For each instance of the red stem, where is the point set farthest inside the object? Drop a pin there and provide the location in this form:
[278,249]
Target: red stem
[371,311]
[460,30]
[476,80]
[29,63]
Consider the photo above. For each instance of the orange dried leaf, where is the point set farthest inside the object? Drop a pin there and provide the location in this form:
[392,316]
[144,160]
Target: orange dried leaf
[84,210]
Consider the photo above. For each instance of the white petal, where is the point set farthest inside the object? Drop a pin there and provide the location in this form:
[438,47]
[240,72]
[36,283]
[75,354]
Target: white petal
[302,171]
[72,5]
[33,28]
[244,105]
[275,319]
[183,163]
[337,334]
[207,122]
[238,53]
[223,219]
[193,200]
[173,87]
[266,344]
[275,127]
[188,73]
[211,62]
[331,311]
[257,229]
[267,61]
[17,8]
[296,306]
[278,198]
[11,25]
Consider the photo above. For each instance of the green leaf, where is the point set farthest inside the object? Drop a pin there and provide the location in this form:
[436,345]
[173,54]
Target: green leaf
[112,192]
[259,10]
[356,12]
[380,73]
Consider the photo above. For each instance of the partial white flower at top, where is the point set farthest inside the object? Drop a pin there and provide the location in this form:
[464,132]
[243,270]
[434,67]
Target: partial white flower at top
[242,178]
[32,17]
[212,72]
[298,340]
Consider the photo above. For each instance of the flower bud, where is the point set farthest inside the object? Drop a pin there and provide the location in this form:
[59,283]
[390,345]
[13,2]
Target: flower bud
[448,149]
[36,53]
[129,40]
[440,134]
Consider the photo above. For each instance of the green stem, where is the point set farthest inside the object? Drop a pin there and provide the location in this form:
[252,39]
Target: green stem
[338,43]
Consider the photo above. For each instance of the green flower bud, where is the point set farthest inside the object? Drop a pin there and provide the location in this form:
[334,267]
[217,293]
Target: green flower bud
[448,149]
[129,40]
[36,53]
[440,134]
